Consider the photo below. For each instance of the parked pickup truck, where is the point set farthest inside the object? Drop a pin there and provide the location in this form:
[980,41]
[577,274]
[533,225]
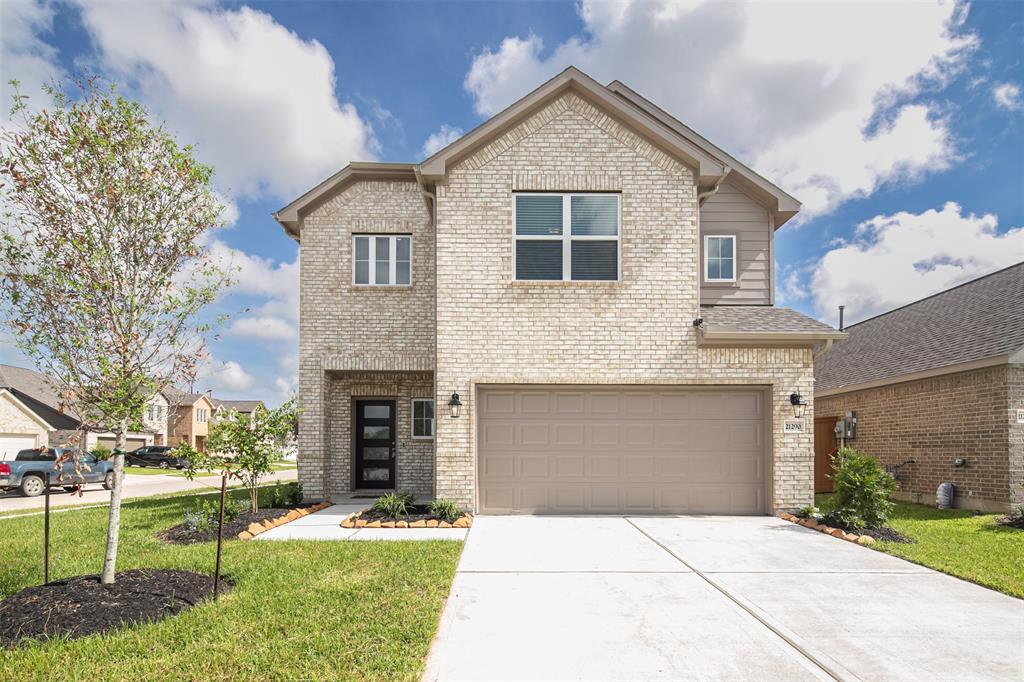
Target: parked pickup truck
[27,473]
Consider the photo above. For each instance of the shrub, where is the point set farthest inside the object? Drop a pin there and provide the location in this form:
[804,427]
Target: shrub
[809,512]
[861,490]
[287,495]
[102,453]
[204,517]
[446,510]
[394,505]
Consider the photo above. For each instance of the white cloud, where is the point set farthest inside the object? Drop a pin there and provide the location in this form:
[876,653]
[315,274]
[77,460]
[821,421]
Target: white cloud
[791,87]
[439,140]
[225,376]
[1007,96]
[263,328]
[896,259]
[257,100]
[23,55]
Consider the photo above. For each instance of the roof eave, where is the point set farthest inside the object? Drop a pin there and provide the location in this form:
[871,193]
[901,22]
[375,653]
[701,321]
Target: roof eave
[957,368]
[727,336]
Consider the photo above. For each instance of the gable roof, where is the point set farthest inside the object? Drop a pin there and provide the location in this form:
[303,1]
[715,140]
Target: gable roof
[243,406]
[19,404]
[33,390]
[679,141]
[178,398]
[975,324]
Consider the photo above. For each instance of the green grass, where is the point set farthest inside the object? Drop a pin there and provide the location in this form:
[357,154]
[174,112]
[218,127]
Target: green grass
[957,542]
[320,610]
[151,471]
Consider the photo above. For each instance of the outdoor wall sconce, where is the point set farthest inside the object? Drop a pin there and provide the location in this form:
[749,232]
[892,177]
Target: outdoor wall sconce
[455,405]
[799,405]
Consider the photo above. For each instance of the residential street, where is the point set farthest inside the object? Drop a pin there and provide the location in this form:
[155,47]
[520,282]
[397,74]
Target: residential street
[709,598]
[134,486]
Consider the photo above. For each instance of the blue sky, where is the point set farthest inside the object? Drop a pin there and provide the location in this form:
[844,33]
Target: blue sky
[898,125]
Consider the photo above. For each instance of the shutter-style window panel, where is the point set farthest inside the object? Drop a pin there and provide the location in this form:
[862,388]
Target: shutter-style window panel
[538,259]
[595,260]
[539,215]
[595,215]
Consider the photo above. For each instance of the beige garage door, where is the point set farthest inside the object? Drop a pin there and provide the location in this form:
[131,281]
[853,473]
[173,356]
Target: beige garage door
[636,450]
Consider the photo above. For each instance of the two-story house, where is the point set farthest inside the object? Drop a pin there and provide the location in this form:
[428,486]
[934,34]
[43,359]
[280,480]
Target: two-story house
[188,417]
[570,309]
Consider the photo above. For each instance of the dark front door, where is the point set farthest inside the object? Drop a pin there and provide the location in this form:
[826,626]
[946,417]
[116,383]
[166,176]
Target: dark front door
[375,444]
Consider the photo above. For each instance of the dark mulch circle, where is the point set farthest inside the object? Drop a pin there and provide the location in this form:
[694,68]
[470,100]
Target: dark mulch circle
[81,606]
[181,535]
[1016,521]
[886,534]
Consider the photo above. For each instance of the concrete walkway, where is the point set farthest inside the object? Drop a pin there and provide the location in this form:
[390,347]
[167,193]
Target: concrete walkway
[710,598]
[135,485]
[324,525]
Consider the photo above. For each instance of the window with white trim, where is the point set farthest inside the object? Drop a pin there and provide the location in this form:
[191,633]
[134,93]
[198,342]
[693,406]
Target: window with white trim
[567,237]
[720,258]
[422,418]
[382,260]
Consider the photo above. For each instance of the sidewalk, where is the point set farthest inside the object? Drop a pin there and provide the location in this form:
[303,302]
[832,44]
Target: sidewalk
[134,486]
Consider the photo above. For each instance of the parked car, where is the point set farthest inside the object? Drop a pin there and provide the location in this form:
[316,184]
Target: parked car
[162,456]
[27,473]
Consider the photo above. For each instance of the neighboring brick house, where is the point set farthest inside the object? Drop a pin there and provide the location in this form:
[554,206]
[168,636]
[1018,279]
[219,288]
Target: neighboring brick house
[937,381]
[31,415]
[188,417]
[594,281]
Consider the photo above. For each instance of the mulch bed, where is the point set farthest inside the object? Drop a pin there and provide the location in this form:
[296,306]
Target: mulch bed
[884,533]
[1011,521]
[419,512]
[181,535]
[81,606]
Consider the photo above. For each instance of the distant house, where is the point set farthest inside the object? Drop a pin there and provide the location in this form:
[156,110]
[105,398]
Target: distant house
[189,416]
[939,383]
[224,408]
[31,416]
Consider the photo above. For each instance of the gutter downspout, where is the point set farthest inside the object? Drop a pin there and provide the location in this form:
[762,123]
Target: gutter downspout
[824,349]
[703,196]
[431,199]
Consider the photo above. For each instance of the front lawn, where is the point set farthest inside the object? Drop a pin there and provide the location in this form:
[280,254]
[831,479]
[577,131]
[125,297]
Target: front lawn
[958,542]
[312,610]
[153,471]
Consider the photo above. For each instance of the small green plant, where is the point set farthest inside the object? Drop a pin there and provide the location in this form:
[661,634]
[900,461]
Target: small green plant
[204,517]
[862,489]
[287,495]
[446,510]
[394,505]
[809,512]
[102,452]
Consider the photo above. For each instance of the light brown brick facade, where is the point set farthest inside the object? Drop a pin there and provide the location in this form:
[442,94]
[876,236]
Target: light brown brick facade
[970,415]
[361,341]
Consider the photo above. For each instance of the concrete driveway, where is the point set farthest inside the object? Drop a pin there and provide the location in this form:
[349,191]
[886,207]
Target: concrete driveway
[710,598]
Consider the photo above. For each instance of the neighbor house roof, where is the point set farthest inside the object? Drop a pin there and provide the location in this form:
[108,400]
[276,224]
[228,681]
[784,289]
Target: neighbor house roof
[711,164]
[33,390]
[975,324]
[243,406]
[179,398]
[762,324]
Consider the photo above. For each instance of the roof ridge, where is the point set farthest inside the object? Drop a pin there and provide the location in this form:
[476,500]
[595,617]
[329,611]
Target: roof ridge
[936,294]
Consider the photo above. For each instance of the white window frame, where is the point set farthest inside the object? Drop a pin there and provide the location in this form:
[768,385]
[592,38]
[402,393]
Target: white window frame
[707,258]
[412,419]
[392,260]
[566,237]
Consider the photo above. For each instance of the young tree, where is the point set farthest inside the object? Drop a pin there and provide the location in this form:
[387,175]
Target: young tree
[102,260]
[248,445]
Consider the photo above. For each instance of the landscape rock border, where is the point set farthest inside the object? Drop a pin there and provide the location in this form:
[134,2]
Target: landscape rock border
[353,521]
[255,529]
[813,524]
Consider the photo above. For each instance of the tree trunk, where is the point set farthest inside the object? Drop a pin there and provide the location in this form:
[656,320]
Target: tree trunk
[114,518]
[254,494]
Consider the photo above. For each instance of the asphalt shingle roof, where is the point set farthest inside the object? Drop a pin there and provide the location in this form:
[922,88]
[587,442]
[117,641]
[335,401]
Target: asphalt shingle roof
[981,319]
[243,406]
[760,318]
[38,395]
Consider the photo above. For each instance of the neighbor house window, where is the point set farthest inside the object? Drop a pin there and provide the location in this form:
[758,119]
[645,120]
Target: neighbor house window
[422,418]
[149,413]
[381,260]
[567,237]
[719,258]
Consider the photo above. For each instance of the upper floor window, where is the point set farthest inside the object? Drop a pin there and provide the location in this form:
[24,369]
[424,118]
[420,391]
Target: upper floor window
[719,258]
[567,237]
[200,415]
[381,260]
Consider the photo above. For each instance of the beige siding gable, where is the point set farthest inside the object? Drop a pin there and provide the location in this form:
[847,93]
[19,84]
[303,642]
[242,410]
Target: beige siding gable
[731,212]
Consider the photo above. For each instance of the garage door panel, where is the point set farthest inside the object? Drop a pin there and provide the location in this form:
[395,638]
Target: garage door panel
[643,450]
